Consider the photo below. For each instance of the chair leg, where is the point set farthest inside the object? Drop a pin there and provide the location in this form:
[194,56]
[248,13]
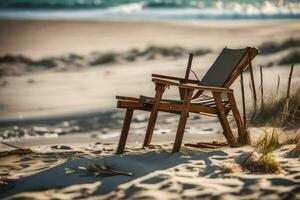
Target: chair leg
[153,114]
[236,114]
[125,129]
[183,118]
[223,120]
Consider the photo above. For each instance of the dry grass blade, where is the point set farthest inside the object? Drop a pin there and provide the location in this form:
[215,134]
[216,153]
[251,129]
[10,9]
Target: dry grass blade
[267,144]
[267,164]
[253,163]
[16,151]
[274,113]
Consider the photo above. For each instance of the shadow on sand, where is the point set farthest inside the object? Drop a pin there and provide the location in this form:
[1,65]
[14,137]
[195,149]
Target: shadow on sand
[140,165]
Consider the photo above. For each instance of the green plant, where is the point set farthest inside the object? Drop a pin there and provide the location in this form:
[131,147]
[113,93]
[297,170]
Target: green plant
[268,143]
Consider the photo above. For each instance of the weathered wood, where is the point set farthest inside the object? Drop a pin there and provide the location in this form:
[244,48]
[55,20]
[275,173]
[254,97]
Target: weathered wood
[243,100]
[261,88]
[189,86]
[223,120]
[181,93]
[198,94]
[182,80]
[125,129]
[289,82]
[168,107]
[127,98]
[182,121]
[185,106]
[253,82]
[236,114]
[150,128]
[188,68]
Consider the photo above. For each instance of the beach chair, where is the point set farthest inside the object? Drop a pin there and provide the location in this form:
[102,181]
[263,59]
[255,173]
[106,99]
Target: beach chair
[228,66]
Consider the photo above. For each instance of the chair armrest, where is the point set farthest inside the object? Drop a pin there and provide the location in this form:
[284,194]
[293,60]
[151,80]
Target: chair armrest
[189,86]
[174,78]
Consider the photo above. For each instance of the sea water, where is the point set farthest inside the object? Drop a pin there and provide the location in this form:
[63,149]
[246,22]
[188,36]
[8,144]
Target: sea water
[150,9]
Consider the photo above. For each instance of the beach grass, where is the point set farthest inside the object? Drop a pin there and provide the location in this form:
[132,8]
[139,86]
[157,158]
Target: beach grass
[267,164]
[292,57]
[92,59]
[105,58]
[268,143]
[274,111]
[273,47]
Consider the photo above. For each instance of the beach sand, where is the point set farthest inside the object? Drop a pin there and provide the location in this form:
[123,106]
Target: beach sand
[81,106]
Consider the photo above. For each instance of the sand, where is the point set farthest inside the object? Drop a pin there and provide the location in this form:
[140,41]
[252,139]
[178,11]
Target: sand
[157,173]
[48,38]
[37,98]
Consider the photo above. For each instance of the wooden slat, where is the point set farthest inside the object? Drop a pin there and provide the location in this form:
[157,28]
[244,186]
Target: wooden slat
[252,80]
[182,121]
[166,107]
[223,120]
[236,113]
[174,78]
[188,68]
[127,98]
[154,111]
[125,129]
[189,86]
[243,101]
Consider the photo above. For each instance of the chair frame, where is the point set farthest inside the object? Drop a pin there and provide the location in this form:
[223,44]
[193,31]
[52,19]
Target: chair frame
[186,88]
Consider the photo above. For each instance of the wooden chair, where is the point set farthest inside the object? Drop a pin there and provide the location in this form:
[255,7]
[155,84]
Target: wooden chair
[228,66]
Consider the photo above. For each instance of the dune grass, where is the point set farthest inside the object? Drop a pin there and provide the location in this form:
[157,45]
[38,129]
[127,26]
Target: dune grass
[292,57]
[72,60]
[273,47]
[274,111]
[261,160]
[268,143]
[105,58]
[267,164]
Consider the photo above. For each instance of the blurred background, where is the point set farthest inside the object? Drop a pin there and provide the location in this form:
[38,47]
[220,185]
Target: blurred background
[62,62]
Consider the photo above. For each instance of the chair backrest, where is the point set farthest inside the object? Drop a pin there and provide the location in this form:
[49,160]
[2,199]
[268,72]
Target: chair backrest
[229,64]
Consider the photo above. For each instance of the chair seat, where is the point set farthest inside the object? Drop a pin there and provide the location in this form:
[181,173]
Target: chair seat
[202,100]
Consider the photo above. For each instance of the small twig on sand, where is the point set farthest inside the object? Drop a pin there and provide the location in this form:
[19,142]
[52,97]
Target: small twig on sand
[286,106]
[261,88]
[278,83]
[289,83]
[18,148]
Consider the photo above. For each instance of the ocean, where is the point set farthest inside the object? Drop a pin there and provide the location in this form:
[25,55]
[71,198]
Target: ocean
[150,9]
